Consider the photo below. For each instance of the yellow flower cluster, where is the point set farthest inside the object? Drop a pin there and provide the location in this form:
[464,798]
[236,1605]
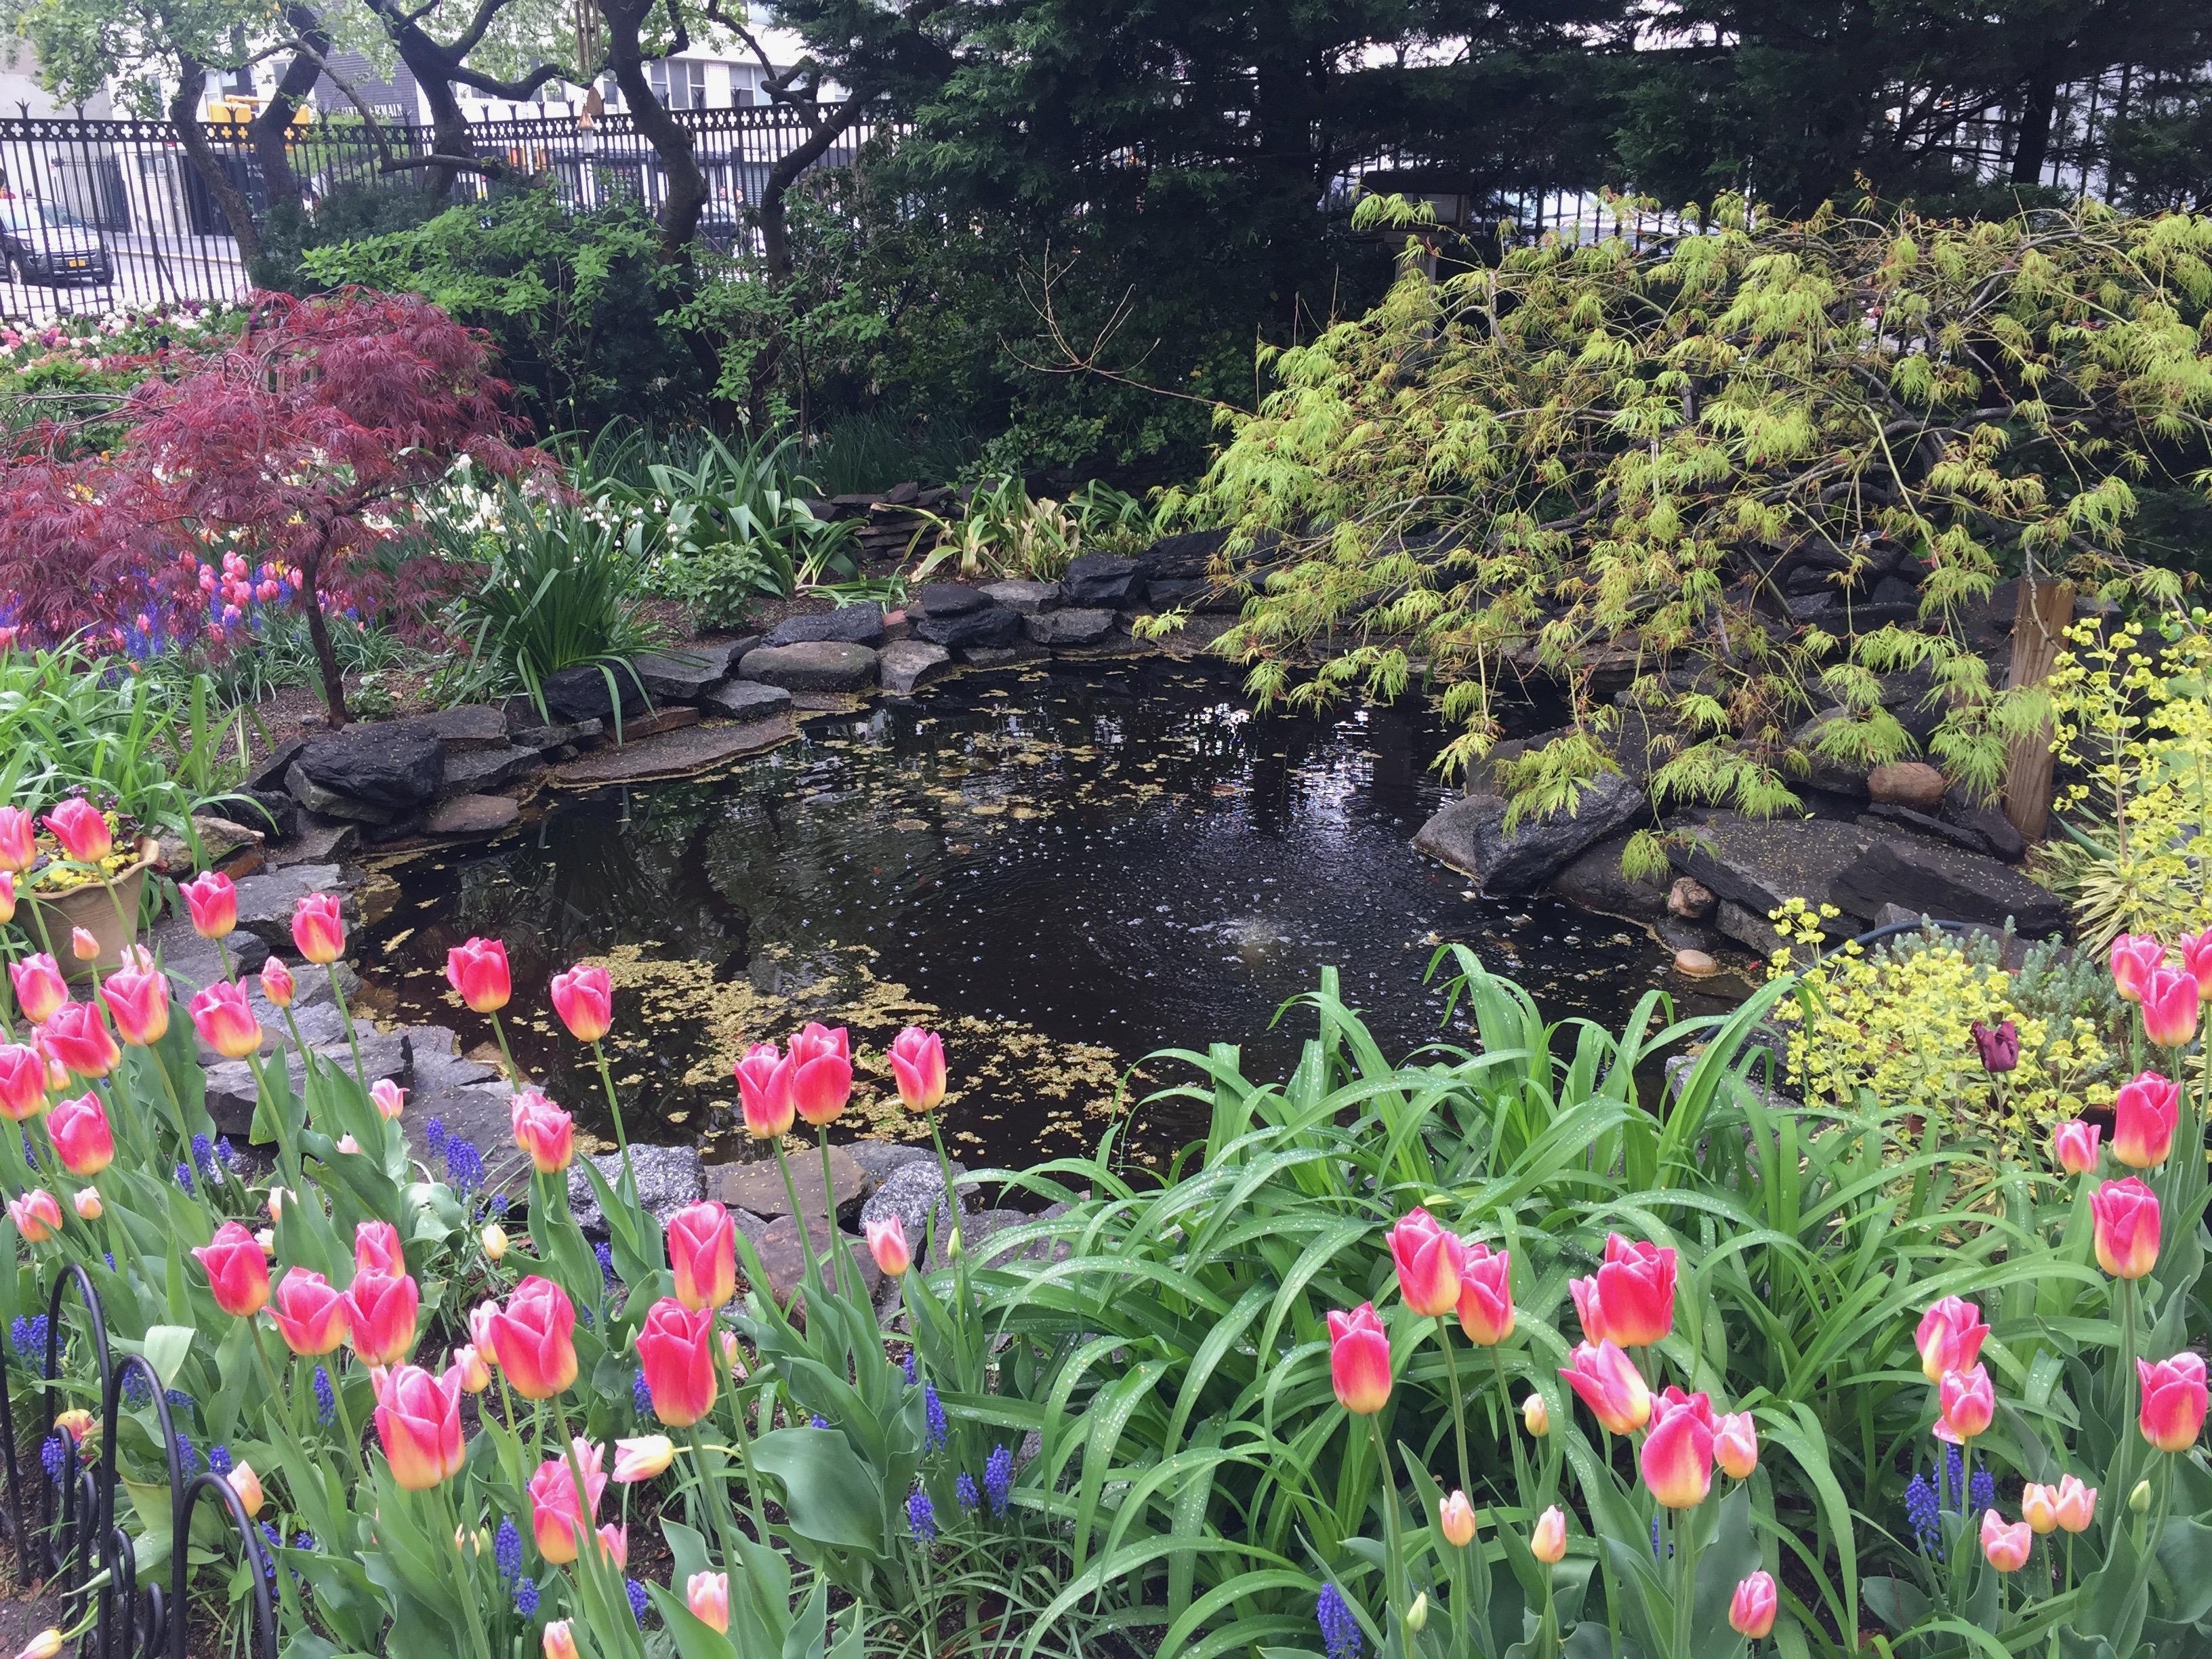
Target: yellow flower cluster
[1897,1022]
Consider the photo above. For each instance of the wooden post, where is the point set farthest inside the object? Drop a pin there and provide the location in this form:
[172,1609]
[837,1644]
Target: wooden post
[2039,630]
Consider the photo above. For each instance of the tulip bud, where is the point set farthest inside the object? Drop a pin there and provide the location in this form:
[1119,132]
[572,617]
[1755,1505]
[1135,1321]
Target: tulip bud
[1456,1516]
[1735,1445]
[247,1486]
[45,1645]
[559,1644]
[1536,1416]
[707,1595]
[1359,1360]
[494,1241]
[76,1423]
[388,1098]
[2039,1507]
[277,984]
[86,1202]
[467,1367]
[1549,1542]
[36,1215]
[266,1238]
[1417,1614]
[2139,1500]
[887,1243]
[2006,1547]
[1750,1609]
[2076,1504]
[347,1144]
[82,946]
[276,1203]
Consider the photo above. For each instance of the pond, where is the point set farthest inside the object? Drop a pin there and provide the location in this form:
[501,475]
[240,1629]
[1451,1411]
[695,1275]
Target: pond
[1063,868]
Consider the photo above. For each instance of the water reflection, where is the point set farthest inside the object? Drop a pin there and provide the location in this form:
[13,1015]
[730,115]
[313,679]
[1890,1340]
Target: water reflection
[1066,869]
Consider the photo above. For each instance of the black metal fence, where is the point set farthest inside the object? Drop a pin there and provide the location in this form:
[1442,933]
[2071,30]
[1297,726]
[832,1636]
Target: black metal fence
[66,1535]
[97,214]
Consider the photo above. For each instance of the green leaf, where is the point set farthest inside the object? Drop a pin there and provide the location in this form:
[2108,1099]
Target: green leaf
[829,1494]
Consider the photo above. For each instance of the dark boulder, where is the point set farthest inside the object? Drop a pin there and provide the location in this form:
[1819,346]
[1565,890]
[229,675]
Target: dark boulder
[851,625]
[992,626]
[1101,578]
[1754,864]
[390,766]
[1951,885]
[1470,835]
[949,599]
[582,693]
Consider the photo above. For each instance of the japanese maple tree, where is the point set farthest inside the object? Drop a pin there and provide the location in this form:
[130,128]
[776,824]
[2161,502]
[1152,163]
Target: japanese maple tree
[296,449]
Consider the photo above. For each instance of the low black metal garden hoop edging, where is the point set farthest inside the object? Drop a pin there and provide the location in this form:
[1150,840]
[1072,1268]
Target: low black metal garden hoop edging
[81,1549]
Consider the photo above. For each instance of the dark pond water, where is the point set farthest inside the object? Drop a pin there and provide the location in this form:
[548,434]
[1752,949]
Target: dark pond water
[1063,870]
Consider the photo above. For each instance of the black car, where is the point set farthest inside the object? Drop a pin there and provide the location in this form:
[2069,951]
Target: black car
[42,243]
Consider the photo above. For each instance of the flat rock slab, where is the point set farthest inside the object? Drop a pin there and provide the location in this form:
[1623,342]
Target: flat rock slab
[681,676]
[317,840]
[336,803]
[988,625]
[471,726]
[913,1193]
[193,962]
[472,771]
[812,666]
[785,1260]
[542,738]
[578,694]
[1101,578]
[746,700]
[758,1186]
[1470,835]
[877,1159]
[669,1178]
[675,752]
[661,720]
[904,665]
[1934,880]
[231,1091]
[1757,863]
[1024,598]
[1594,880]
[852,624]
[474,815]
[392,767]
[1069,626]
[266,903]
[949,599]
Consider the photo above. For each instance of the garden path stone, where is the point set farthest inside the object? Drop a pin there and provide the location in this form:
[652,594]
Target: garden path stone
[390,768]
[682,675]
[474,815]
[905,665]
[1101,578]
[988,625]
[1469,835]
[1024,598]
[915,1194]
[851,625]
[811,665]
[475,770]
[1069,626]
[668,1179]
[758,1187]
[1756,863]
[677,752]
[266,903]
[471,726]
[784,1259]
[1950,885]
[746,700]
[578,694]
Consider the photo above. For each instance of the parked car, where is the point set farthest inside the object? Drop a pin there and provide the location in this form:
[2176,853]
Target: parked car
[42,243]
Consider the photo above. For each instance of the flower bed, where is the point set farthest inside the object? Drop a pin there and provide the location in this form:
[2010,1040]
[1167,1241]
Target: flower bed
[1468,1355]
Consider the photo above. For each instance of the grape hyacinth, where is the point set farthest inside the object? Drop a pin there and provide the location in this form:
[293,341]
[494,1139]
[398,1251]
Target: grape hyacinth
[184,1179]
[55,1455]
[525,1598]
[922,1514]
[999,1478]
[606,1253]
[326,1402]
[305,1540]
[638,1601]
[434,1137]
[941,1432]
[29,1336]
[1981,1491]
[219,1459]
[226,1152]
[1925,1514]
[909,1370]
[276,1541]
[204,1155]
[964,1490]
[188,1457]
[465,1166]
[817,1421]
[1339,1631]
[640,1396]
[137,1393]
[506,1549]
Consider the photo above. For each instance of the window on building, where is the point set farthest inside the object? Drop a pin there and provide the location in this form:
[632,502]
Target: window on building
[678,85]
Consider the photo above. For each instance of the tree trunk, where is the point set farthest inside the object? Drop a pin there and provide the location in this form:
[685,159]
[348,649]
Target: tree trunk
[318,634]
[191,136]
[272,126]
[774,224]
[449,126]
[687,185]
[2039,102]
[2039,629]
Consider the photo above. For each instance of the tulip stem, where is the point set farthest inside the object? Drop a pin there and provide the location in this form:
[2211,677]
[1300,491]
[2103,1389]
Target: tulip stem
[711,1476]
[1686,1575]
[1513,1436]
[353,1038]
[479,1640]
[1458,1405]
[1396,1603]
[798,1220]
[614,1106]
[745,1458]
[838,1264]
[345,1417]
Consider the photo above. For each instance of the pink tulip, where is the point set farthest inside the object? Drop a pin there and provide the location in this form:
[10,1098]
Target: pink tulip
[212,899]
[2145,1112]
[2126,1214]
[2173,1400]
[764,1092]
[887,1243]
[237,1272]
[544,1131]
[74,1036]
[2170,1005]
[707,1595]
[560,1640]
[584,999]
[1610,1385]
[466,1367]
[478,969]
[1429,1259]
[388,1098]
[821,1065]
[1547,1542]
[377,1249]
[2006,1547]
[311,1316]
[84,945]
[82,829]
[319,927]
[917,1059]
[418,1424]
[381,1312]
[2074,1145]
[1949,1337]
[225,1021]
[22,1082]
[2076,1504]
[1455,1520]
[676,1351]
[1359,1360]
[19,842]
[138,1002]
[1750,1609]
[37,1215]
[2039,1507]
[2196,961]
[1735,1445]
[703,1252]
[1485,1295]
[1965,1404]
[560,1509]
[1677,1457]
[2134,958]
[39,987]
[7,896]
[1635,1288]
[533,1340]
[85,1201]
[82,1137]
[277,984]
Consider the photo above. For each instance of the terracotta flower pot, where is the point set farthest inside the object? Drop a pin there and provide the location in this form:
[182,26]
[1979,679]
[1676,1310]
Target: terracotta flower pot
[90,907]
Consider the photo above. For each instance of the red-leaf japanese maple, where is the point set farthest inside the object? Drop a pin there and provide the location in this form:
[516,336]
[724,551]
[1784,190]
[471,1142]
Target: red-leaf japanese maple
[294,450]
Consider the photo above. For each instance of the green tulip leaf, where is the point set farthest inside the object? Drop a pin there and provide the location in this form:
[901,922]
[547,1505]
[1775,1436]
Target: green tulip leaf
[829,1494]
